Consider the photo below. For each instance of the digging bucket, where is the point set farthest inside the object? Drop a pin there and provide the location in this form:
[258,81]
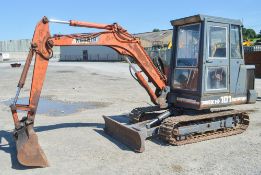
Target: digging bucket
[29,152]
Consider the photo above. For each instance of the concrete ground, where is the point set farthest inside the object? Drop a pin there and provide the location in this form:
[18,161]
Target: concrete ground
[75,143]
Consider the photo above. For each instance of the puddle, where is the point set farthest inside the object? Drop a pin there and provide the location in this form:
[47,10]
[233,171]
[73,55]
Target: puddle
[60,108]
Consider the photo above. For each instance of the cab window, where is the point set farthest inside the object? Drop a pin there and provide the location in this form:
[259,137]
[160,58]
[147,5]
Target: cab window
[186,71]
[235,41]
[186,79]
[216,78]
[188,45]
[217,42]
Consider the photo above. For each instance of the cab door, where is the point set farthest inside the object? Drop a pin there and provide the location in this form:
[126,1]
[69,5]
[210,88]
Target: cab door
[217,59]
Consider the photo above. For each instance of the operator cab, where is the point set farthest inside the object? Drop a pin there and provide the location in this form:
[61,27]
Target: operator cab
[208,68]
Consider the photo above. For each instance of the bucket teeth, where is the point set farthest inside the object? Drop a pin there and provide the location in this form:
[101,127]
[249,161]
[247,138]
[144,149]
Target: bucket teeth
[29,152]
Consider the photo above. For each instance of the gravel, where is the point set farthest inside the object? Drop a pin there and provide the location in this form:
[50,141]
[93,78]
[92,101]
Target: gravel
[76,144]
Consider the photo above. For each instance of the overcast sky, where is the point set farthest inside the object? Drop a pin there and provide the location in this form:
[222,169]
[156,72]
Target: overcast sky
[19,17]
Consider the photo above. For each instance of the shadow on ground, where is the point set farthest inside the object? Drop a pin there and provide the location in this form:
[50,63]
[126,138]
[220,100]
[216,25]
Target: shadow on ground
[67,125]
[111,139]
[10,147]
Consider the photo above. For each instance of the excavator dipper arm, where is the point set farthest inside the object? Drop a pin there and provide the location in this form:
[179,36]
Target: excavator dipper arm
[120,40]
[29,152]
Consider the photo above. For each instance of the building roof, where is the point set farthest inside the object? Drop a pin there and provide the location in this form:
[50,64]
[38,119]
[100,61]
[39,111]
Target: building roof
[149,38]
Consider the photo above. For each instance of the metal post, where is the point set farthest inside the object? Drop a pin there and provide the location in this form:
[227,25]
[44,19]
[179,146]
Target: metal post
[59,21]
[131,65]
[16,95]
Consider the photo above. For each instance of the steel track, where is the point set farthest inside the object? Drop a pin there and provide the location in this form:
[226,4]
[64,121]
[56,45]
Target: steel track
[168,130]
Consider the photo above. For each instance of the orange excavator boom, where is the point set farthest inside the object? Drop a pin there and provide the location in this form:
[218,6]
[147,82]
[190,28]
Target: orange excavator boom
[29,152]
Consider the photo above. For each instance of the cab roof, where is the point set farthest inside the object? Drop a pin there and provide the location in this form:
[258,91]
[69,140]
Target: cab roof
[200,17]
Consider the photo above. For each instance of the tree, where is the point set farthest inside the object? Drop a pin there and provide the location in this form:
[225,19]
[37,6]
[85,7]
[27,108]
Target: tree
[155,30]
[248,33]
[252,33]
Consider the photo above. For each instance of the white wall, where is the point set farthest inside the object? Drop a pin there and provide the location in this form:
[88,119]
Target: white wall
[18,50]
[95,53]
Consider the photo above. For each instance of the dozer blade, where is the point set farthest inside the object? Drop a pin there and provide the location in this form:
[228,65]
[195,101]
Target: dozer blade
[133,136]
[29,152]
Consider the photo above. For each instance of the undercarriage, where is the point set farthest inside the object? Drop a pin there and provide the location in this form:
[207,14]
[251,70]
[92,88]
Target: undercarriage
[182,127]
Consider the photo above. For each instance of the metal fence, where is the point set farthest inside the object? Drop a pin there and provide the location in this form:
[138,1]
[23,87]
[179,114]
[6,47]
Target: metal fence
[252,49]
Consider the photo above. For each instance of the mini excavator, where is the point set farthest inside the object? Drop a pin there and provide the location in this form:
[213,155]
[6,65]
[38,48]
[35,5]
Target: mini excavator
[206,72]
